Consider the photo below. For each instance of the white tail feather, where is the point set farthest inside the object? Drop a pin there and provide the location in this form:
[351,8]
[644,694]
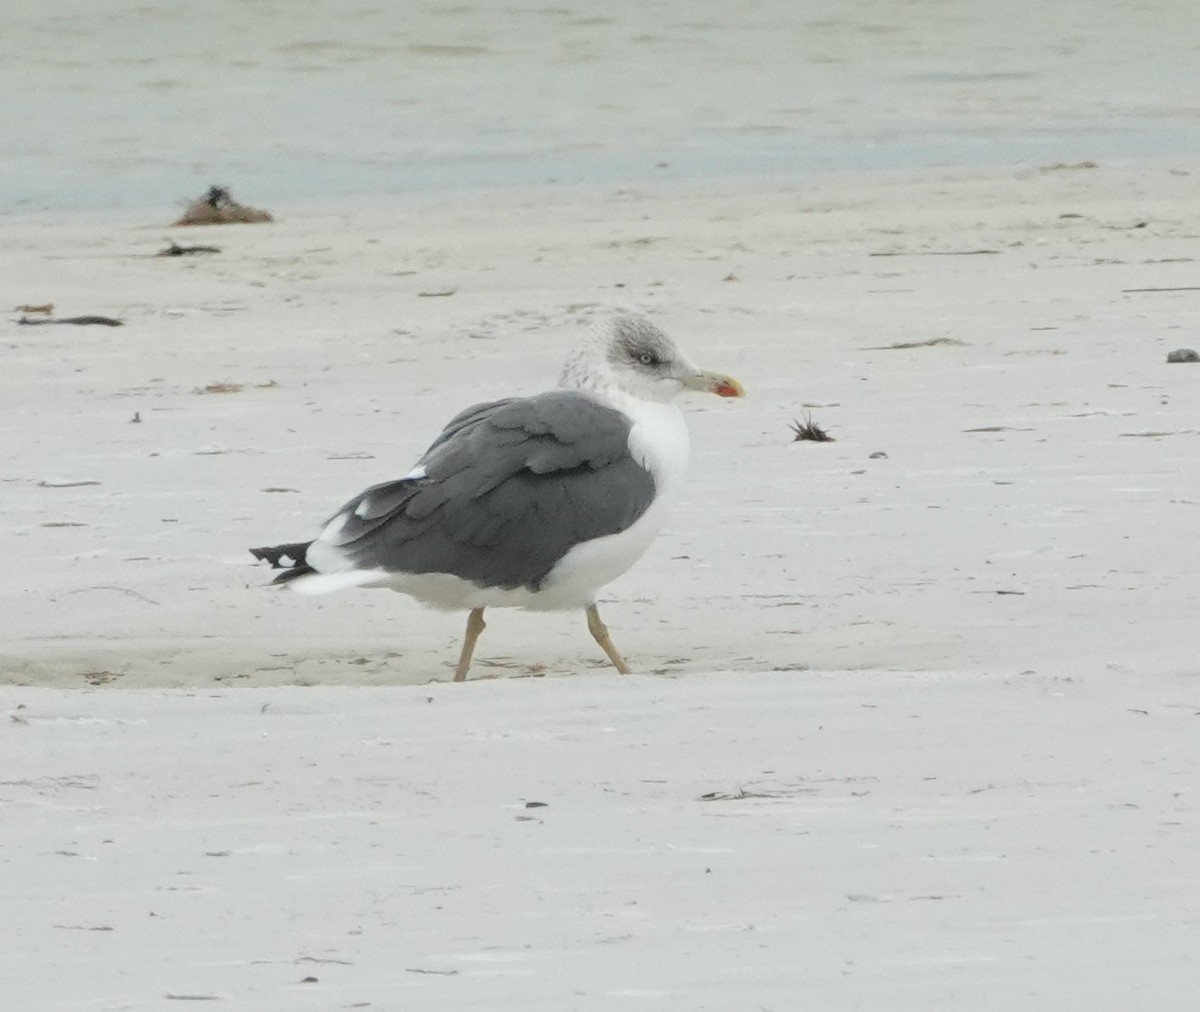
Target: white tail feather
[327,583]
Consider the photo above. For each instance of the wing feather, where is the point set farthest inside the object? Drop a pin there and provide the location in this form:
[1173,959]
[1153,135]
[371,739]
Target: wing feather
[508,488]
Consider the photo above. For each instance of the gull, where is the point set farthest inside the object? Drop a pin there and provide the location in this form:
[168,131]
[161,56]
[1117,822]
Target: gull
[528,502]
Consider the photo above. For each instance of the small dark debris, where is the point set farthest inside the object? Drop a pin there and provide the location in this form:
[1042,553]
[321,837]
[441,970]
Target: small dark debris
[933,342]
[936,253]
[78,321]
[137,417]
[997,428]
[441,293]
[878,455]
[1173,288]
[309,980]
[537,804]
[1184,355]
[809,431]
[741,794]
[175,250]
[65,484]
[1067,166]
[46,308]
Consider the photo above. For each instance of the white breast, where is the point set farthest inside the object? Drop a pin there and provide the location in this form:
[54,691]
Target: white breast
[659,440]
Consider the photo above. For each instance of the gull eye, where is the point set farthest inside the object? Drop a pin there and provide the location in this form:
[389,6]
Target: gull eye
[647,359]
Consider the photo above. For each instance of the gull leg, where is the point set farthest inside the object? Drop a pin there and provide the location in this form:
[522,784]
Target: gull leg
[475,625]
[599,633]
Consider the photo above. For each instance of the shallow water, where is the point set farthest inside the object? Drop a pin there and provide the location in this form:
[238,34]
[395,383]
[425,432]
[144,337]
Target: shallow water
[131,102]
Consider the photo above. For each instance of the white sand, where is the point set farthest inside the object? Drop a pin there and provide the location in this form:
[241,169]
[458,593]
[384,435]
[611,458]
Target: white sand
[1059,543]
[907,842]
[966,670]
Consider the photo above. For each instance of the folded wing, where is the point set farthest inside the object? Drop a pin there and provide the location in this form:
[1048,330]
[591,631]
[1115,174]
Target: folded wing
[503,493]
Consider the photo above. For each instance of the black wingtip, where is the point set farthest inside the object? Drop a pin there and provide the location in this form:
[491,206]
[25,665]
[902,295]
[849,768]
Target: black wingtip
[289,558]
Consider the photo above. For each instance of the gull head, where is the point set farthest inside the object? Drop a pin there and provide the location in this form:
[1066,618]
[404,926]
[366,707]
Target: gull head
[630,355]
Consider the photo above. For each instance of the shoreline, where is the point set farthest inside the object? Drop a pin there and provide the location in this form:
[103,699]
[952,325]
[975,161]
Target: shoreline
[336,186]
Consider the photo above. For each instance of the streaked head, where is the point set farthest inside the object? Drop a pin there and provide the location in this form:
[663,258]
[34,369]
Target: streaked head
[635,356]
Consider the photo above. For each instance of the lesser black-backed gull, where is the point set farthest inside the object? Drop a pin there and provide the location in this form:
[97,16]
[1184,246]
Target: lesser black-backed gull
[528,502]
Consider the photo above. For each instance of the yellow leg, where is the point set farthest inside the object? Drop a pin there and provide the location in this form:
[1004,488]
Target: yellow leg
[599,633]
[475,625]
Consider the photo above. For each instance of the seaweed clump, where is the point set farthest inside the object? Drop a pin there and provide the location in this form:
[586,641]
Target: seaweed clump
[217,207]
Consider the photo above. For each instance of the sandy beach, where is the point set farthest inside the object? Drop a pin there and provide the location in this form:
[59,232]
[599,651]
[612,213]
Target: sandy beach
[1028,512]
[914,722]
[718,840]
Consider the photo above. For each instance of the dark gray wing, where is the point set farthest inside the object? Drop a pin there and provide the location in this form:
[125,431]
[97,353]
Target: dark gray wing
[509,488]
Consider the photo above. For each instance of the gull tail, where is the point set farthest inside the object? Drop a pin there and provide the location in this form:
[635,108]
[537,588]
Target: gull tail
[292,559]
